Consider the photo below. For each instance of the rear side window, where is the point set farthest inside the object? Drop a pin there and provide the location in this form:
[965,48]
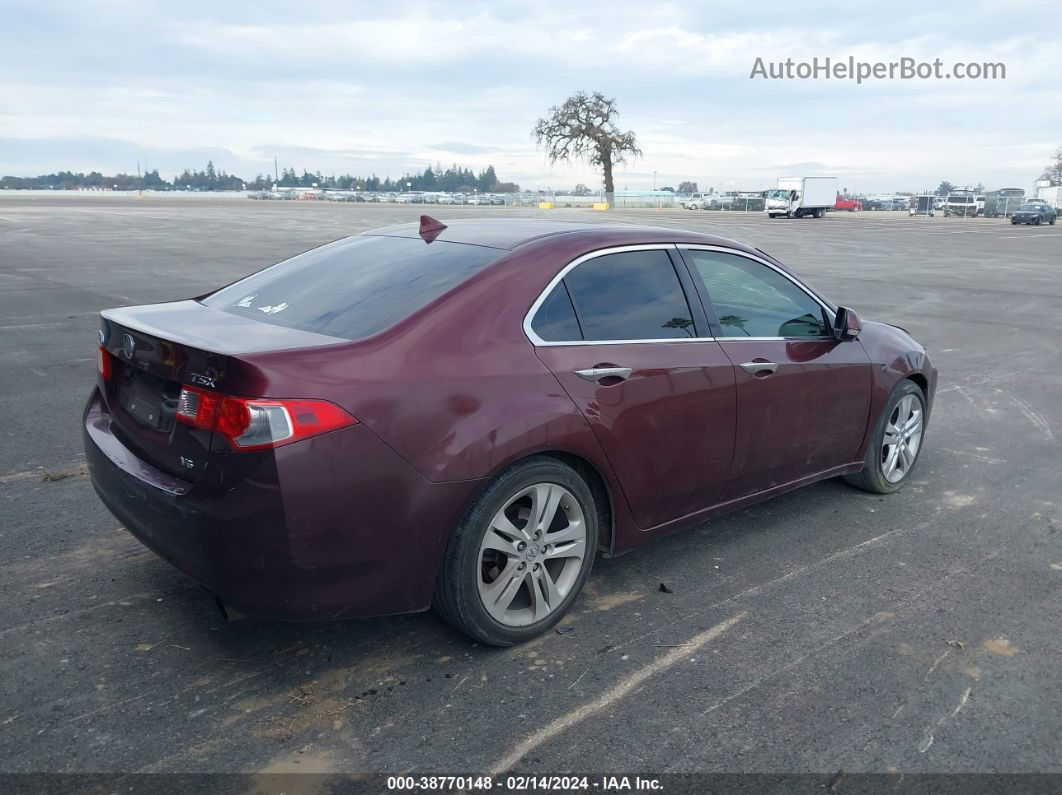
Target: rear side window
[633,295]
[555,320]
[353,288]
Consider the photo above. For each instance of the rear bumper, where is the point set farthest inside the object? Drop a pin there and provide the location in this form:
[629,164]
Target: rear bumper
[334,526]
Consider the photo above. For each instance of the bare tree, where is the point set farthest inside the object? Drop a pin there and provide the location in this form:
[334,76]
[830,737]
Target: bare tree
[584,128]
[1053,172]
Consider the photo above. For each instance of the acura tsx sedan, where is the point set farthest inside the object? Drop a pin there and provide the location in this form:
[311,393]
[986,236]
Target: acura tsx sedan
[463,414]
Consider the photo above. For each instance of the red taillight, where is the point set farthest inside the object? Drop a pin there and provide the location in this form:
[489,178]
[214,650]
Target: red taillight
[198,408]
[105,364]
[259,423]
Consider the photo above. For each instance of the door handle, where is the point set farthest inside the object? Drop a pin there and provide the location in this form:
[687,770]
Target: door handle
[759,367]
[598,373]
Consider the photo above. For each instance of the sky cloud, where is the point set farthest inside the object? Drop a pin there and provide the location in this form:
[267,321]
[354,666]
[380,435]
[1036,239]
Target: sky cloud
[386,88]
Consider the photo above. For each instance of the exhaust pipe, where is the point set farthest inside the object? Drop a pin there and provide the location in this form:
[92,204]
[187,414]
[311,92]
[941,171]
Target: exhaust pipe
[228,612]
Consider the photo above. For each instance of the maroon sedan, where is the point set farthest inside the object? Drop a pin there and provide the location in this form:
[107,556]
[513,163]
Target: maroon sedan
[463,415]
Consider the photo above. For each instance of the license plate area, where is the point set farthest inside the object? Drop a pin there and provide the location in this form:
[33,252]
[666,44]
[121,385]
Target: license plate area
[149,400]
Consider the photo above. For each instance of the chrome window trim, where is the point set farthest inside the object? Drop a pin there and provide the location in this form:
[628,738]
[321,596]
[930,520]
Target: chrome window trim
[538,342]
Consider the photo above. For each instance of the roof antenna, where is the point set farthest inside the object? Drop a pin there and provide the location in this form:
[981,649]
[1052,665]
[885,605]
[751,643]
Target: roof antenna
[430,228]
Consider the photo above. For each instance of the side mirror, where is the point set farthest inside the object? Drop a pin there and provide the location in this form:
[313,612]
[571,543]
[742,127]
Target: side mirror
[846,325]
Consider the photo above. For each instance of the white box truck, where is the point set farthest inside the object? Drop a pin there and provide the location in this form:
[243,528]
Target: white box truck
[1052,194]
[796,197]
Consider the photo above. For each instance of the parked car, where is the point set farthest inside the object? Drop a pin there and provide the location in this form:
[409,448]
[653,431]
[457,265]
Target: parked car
[347,433]
[496,199]
[1035,214]
[698,201]
[478,200]
[445,198]
[848,203]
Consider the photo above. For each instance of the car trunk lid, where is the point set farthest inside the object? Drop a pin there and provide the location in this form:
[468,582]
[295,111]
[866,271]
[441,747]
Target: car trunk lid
[156,350]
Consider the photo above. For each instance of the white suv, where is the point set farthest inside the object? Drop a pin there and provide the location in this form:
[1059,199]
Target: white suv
[698,201]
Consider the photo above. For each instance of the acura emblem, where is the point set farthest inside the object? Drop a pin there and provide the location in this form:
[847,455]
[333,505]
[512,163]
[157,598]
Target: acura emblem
[128,345]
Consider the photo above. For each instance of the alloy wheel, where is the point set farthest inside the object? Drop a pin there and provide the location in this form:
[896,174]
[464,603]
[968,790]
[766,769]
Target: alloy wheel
[531,555]
[903,437]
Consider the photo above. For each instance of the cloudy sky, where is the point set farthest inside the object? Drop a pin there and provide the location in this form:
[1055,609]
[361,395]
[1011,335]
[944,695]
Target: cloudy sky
[386,87]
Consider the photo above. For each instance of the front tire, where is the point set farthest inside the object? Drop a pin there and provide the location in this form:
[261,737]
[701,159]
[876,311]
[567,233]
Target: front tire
[520,554]
[896,442]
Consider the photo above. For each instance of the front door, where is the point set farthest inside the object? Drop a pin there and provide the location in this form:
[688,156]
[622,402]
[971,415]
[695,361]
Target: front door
[619,335]
[803,398]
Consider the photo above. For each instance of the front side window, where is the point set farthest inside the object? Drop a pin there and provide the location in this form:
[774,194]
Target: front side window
[630,295]
[753,300]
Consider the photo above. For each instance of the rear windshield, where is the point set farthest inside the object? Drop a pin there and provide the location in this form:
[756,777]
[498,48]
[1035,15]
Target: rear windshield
[355,287]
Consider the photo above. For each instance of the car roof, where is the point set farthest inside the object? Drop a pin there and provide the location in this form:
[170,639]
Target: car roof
[510,233]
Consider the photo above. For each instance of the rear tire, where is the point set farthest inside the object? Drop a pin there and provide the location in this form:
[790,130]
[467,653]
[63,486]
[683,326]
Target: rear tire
[540,574]
[890,460]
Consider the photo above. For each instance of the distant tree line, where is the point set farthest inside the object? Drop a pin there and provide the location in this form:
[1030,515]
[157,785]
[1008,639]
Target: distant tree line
[452,179]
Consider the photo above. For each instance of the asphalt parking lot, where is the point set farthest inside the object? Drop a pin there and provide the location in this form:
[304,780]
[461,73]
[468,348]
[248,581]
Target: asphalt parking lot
[826,629]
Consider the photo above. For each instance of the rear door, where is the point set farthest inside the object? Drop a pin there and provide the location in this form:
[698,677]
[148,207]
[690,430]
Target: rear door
[803,398]
[618,332]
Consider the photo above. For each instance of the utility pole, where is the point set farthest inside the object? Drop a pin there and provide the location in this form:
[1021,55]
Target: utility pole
[139,180]
[276,171]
